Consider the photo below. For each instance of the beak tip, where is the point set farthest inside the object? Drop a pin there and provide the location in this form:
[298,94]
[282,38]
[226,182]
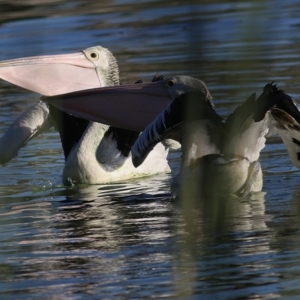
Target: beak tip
[137,161]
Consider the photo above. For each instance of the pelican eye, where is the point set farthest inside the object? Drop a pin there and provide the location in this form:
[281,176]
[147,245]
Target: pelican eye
[94,55]
[171,82]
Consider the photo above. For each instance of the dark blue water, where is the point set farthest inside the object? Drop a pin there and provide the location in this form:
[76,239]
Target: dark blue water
[130,240]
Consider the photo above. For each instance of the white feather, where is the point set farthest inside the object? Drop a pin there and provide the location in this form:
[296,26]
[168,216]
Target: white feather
[31,122]
[94,163]
[250,142]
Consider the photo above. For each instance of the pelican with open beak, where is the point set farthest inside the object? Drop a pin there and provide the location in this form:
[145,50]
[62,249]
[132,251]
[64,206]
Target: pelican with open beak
[217,156]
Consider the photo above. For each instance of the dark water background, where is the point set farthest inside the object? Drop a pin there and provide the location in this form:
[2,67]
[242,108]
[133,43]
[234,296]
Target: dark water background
[130,241]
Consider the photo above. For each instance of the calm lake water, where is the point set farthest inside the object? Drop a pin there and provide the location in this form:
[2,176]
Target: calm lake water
[130,240]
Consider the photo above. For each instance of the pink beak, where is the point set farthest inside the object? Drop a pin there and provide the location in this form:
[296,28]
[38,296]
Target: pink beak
[51,75]
[130,107]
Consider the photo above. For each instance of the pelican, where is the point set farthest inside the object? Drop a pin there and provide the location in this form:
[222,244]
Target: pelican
[286,122]
[94,153]
[219,157]
[52,75]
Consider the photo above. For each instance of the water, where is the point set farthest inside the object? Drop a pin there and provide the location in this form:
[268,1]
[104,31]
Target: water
[130,240]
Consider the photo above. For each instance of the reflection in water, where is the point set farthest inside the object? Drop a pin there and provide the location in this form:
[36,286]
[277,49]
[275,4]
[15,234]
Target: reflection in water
[111,238]
[131,240]
[135,240]
[222,239]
